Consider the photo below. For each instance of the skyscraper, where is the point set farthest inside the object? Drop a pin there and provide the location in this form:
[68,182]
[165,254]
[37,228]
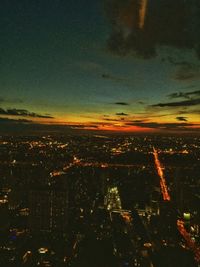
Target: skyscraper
[48,210]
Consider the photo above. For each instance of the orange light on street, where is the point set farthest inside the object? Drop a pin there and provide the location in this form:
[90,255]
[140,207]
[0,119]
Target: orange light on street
[163,185]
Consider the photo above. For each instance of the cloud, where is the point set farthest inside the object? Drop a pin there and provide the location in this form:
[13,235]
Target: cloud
[187,72]
[79,126]
[140,26]
[31,123]
[23,112]
[121,114]
[122,103]
[190,111]
[185,103]
[175,62]
[187,95]
[103,72]
[13,121]
[112,77]
[141,102]
[163,126]
[180,118]
[12,126]
[113,120]
[139,121]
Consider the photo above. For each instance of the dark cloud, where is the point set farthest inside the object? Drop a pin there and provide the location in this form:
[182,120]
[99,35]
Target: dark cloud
[122,103]
[145,115]
[27,126]
[163,126]
[186,95]
[138,121]
[23,112]
[140,26]
[106,76]
[141,102]
[8,125]
[185,103]
[13,121]
[113,120]
[31,123]
[121,114]
[180,118]
[112,77]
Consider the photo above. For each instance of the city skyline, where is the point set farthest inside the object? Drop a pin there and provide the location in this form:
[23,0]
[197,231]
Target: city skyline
[125,66]
[94,200]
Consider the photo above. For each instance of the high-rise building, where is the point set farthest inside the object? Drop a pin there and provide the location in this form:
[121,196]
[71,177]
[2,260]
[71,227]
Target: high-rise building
[48,210]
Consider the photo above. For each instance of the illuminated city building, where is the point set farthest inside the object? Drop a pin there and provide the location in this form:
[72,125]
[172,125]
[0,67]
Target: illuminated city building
[112,199]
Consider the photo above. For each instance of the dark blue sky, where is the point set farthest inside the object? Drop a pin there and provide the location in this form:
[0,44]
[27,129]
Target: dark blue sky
[89,63]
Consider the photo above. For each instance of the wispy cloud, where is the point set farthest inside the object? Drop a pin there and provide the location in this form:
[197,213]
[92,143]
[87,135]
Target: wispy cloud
[189,111]
[184,103]
[178,63]
[121,103]
[187,95]
[187,72]
[23,113]
[101,71]
[187,103]
[163,126]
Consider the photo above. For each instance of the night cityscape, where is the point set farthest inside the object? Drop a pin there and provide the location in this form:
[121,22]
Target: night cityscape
[97,200]
[100,133]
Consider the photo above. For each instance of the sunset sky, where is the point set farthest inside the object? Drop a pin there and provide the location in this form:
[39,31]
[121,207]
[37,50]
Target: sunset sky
[123,65]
